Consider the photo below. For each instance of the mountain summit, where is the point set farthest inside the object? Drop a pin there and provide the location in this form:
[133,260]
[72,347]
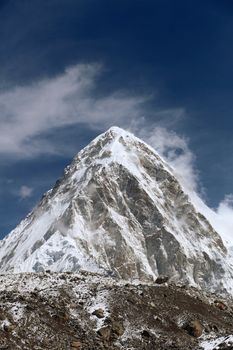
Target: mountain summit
[119,209]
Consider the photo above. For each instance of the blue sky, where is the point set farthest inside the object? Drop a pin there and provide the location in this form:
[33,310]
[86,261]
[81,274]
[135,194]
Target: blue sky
[70,69]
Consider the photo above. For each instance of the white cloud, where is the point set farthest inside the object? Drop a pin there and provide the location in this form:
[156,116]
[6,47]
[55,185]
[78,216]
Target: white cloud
[175,151]
[25,192]
[225,218]
[27,112]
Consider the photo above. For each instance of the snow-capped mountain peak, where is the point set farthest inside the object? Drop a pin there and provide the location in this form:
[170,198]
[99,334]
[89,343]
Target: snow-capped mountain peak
[119,209]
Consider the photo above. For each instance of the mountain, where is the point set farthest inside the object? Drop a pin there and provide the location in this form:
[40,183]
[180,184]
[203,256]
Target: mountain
[120,210]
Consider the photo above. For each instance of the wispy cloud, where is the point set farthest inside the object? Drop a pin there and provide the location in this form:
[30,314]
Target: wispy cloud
[27,112]
[25,192]
[175,150]
[224,221]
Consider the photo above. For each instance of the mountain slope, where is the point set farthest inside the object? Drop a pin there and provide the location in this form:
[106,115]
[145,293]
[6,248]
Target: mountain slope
[119,209]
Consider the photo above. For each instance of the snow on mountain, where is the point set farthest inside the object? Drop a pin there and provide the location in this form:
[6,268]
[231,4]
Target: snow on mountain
[119,209]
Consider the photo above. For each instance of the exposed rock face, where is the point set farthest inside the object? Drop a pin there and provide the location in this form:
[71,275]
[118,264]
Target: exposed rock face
[120,210]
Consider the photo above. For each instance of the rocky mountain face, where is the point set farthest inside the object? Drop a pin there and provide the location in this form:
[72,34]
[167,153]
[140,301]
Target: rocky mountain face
[86,311]
[119,210]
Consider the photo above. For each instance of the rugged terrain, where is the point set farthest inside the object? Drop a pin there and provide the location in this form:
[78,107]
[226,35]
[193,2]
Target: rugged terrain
[119,209]
[65,311]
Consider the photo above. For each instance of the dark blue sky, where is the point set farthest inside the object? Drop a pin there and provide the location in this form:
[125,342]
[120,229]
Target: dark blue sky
[179,53]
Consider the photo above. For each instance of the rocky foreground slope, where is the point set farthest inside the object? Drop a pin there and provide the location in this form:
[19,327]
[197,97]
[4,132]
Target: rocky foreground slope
[119,209]
[87,311]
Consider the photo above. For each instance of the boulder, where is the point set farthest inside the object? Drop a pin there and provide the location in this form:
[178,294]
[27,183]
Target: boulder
[194,328]
[220,305]
[161,279]
[98,313]
[76,344]
[118,328]
[105,332]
